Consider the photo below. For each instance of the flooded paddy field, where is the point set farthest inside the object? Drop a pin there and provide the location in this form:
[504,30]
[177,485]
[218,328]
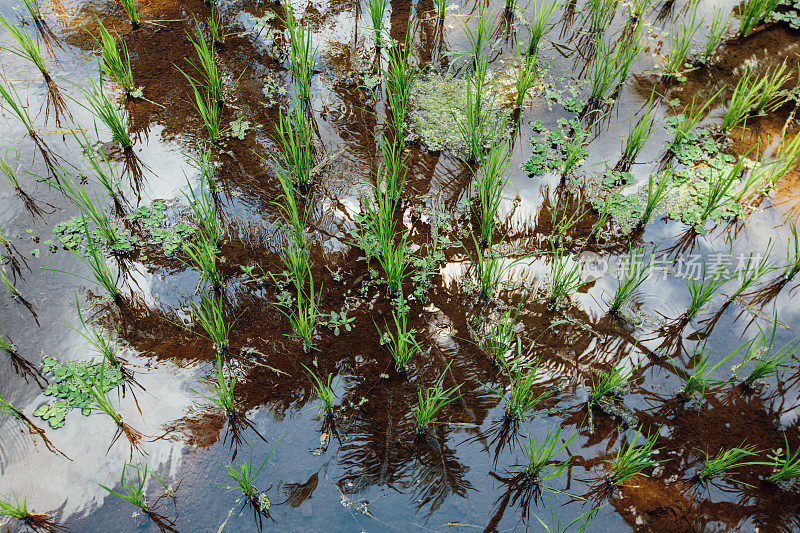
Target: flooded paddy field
[399,265]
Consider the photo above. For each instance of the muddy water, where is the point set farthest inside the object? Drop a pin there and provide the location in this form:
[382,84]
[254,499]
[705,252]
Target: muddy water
[375,475]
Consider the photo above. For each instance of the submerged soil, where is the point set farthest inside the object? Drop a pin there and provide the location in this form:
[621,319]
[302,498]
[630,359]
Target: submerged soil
[371,471]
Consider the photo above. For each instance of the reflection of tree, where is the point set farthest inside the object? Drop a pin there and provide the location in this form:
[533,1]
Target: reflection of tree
[437,473]
[375,453]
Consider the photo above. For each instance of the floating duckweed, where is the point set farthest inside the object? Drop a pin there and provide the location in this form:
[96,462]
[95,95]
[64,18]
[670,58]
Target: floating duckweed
[71,235]
[154,219]
[437,104]
[239,128]
[69,386]
[551,147]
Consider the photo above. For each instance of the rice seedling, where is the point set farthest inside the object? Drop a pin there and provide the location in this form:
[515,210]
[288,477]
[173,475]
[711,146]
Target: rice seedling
[291,211]
[489,268]
[93,258]
[489,185]
[519,400]
[114,118]
[611,67]
[6,407]
[719,25]
[600,14]
[636,10]
[301,52]
[581,521]
[764,363]
[323,389]
[637,137]
[207,108]
[401,343]
[13,103]
[702,290]
[759,181]
[400,76]
[98,389]
[441,8]
[8,284]
[539,25]
[527,74]
[209,316]
[116,62]
[26,47]
[204,163]
[610,385]
[700,379]
[395,260]
[719,188]
[133,490]
[10,174]
[217,28]
[296,261]
[295,136]
[106,347]
[789,156]
[207,65]
[786,465]
[6,346]
[89,210]
[223,389]
[376,10]
[102,170]
[771,94]
[632,460]
[129,6]
[792,253]
[500,335]
[479,38]
[634,272]
[721,465]
[34,9]
[745,95]
[202,256]
[306,314]
[657,189]
[765,366]
[604,210]
[563,220]
[574,152]
[472,125]
[245,478]
[754,270]
[565,276]
[394,170]
[542,465]
[431,402]
[684,123]
[377,221]
[204,210]
[17,509]
[752,12]
[679,43]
